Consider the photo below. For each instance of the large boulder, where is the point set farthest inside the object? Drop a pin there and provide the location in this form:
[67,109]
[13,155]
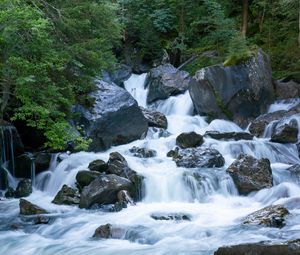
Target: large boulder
[114,119]
[104,190]
[23,165]
[189,140]
[165,81]
[287,89]
[24,188]
[270,216]
[241,92]
[154,118]
[42,161]
[197,157]
[121,74]
[227,136]
[27,208]
[85,177]
[262,248]
[251,174]
[98,165]
[66,196]
[285,132]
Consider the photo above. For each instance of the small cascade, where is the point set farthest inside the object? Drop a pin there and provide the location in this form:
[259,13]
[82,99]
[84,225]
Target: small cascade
[285,105]
[135,86]
[7,146]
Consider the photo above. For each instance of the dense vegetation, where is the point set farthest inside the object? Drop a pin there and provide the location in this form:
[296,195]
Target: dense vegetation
[51,50]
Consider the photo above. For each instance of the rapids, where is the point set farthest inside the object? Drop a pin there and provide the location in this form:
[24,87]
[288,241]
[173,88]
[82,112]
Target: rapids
[213,203]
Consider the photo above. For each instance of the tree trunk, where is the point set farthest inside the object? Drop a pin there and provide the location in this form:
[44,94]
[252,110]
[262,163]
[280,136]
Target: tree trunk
[245,14]
[299,26]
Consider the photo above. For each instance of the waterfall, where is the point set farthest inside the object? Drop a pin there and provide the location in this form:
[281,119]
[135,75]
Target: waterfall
[7,146]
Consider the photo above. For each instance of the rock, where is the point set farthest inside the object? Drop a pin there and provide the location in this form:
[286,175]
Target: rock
[10,193]
[155,119]
[24,188]
[114,119]
[41,220]
[165,81]
[27,208]
[189,140]
[295,172]
[285,132]
[104,231]
[240,92]
[66,196]
[4,182]
[288,89]
[142,152]
[104,190]
[42,161]
[84,178]
[262,248]
[121,74]
[227,136]
[23,165]
[198,157]
[251,174]
[171,216]
[270,216]
[119,206]
[98,165]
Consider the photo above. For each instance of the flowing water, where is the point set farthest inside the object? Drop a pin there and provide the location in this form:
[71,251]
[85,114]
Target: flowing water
[207,196]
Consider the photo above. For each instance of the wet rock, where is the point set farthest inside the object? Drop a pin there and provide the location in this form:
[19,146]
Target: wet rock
[198,157]
[98,165]
[173,153]
[251,174]
[295,172]
[24,188]
[171,216]
[104,190]
[109,231]
[119,206]
[262,248]
[114,119]
[155,119]
[285,132]
[121,74]
[239,92]
[142,152]
[84,178]
[42,161]
[189,140]
[270,216]
[287,89]
[23,165]
[27,208]
[41,220]
[227,136]
[156,133]
[66,196]
[10,193]
[165,81]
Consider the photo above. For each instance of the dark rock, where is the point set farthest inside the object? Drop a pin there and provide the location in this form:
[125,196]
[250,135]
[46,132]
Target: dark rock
[41,220]
[173,153]
[285,132]
[171,216]
[121,74]
[104,231]
[10,193]
[198,157]
[114,119]
[84,178]
[270,216]
[66,196]
[142,152]
[104,190]
[236,136]
[119,206]
[165,81]
[24,188]
[4,182]
[155,119]
[23,165]
[241,92]
[285,90]
[251,174]
[98,165]
[189,140]
[42,161]
[27,208]
[262,248]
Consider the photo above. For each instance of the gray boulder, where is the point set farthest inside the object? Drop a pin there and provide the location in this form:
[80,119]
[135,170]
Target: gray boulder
[42,161]
[197,157]
[85,177]
[121,74]
[270,216]
[155,118]
[287,89]
[104,190]
[285,132]
[142,152]
[66,196]
[241,92]
[27,208]
[251,174]
[24,188]
[189,140]
[165,81]
[98,165]
[114,119]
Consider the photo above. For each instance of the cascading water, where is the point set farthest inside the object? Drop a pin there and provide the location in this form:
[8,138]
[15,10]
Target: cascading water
[208,196]
[7,146]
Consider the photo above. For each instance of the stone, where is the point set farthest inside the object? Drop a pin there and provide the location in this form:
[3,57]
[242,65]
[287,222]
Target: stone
[287,89]
[251,174]
[24,188]
[285,132]
[189,140]
[27,208]
[228,136]
[155,118]
[85,177]
[66,196]
[121,74]
[10,193]
[270,216]
[171,216]
[143,152]
[42,161]
[98,165]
